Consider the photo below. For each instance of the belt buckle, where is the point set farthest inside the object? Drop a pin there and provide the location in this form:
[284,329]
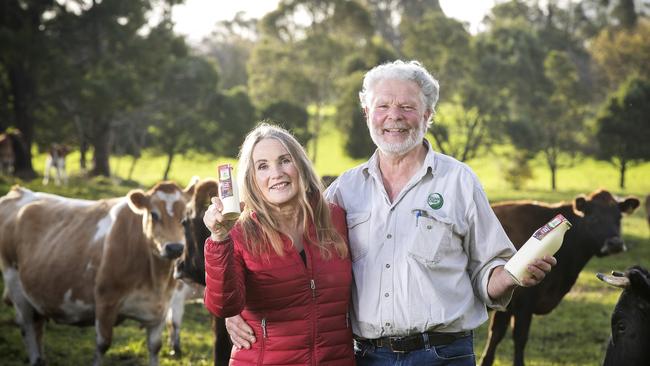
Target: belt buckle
[396,339]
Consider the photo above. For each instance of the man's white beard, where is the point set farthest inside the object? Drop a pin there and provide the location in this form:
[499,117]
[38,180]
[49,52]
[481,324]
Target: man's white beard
[414,138]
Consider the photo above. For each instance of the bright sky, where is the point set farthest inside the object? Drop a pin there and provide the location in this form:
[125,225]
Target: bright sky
[196,18]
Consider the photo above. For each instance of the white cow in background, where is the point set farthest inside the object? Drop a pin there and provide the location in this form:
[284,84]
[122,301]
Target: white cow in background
[56,160]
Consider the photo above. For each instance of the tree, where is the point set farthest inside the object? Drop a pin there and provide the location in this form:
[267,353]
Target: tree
[461,126]
[185,92]
[533,66]
[349,118]
[442,44]
[459,132]
[305,55]
[563,118]
[623,126]
[387,14]
[621,53]
[23,54]
[290,116]
[75,64]
[231,44]
[235,115]
[625,13]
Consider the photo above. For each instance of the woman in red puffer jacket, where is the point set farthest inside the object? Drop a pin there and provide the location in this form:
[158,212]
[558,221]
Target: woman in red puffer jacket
[284,266]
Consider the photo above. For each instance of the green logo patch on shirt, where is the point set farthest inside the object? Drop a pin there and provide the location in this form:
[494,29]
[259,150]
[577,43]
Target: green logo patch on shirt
[435,200]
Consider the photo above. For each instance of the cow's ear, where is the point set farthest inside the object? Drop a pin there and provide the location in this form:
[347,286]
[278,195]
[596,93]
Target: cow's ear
[640,280]
[204,192]
[580,204]
[138,201]
[189,190]
[629,205]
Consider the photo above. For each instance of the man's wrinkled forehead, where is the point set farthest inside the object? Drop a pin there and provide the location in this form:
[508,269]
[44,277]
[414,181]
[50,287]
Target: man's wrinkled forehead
[395,90]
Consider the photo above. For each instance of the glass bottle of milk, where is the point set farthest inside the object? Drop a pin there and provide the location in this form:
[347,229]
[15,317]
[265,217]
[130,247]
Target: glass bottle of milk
[545,241]
[228,192]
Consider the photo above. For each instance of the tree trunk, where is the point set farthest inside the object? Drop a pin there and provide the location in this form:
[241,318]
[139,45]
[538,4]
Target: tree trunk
[83,148]
[101,154]
[83,142]
[132,167]
[22,88]
[314,139]
[621,182]
[170,158]
[553,177]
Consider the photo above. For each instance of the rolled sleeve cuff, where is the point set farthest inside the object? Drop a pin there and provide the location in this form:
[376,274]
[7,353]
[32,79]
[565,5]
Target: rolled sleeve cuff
[501,303]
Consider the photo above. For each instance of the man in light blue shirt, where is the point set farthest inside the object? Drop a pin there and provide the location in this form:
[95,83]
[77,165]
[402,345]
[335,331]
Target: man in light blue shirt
[427,250]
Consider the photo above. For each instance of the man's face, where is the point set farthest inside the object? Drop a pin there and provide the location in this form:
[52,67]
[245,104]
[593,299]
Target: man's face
[397,117]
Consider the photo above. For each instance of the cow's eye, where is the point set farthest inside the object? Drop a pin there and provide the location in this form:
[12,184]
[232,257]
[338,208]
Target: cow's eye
[620,327]
[155,216]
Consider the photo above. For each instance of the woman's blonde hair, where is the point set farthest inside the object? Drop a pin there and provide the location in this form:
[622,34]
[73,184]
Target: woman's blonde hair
[261,232]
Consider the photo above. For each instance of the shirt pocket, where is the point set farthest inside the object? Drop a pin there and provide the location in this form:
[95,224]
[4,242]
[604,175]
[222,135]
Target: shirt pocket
[434,239]
[358,234]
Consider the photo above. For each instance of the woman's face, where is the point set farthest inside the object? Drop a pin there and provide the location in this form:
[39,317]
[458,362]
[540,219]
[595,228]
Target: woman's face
[276,174]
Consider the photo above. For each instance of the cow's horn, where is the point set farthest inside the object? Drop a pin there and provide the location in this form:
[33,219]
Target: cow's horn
[617,281]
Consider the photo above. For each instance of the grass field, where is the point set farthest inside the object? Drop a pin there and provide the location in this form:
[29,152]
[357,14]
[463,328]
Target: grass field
[573,334]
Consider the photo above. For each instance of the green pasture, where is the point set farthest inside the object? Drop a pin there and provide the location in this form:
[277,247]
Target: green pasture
[574,334]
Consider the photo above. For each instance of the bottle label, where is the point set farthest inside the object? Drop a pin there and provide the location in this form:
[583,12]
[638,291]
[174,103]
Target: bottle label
[225,181]
[544,230]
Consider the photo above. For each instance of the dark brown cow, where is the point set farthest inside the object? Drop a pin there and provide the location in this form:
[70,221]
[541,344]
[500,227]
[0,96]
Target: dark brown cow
[596,230]
[191,266]
[7,156]
[82,262]
[628,344]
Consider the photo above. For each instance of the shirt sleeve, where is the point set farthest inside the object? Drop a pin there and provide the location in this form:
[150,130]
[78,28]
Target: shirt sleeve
[332,193]
[488,247]
[224,278]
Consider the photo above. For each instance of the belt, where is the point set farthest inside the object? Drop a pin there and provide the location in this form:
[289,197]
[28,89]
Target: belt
[417,341]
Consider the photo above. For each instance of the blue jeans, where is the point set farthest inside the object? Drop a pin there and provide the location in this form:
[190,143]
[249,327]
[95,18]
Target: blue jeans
[458,353]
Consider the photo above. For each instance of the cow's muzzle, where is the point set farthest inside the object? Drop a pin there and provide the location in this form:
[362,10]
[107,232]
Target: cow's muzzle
[173,250]
[612,246]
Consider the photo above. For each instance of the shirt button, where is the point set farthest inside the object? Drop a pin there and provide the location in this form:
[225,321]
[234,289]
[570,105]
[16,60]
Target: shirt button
[389,236]
[386,294]
[387,265]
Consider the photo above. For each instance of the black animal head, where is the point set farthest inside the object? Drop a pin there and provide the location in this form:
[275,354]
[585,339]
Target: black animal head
[191,266]
[602,215]
[631,318]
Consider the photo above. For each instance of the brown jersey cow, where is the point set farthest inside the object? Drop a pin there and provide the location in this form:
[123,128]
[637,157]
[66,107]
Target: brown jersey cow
[82,262]
[596,230]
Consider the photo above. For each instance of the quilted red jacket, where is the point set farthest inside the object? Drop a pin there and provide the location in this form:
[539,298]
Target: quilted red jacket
[299,311]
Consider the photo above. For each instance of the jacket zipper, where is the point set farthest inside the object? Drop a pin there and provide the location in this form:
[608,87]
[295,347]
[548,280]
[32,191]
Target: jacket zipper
[312,285]
[347,319]
[260,360]
[264,327]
